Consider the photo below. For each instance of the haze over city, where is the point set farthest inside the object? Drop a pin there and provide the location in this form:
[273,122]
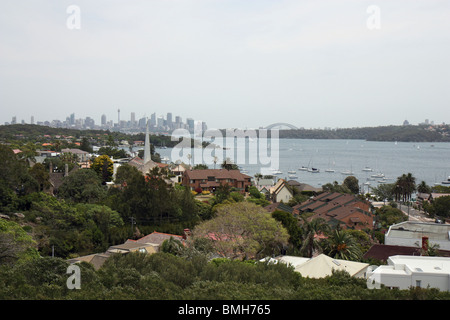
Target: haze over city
[227,63]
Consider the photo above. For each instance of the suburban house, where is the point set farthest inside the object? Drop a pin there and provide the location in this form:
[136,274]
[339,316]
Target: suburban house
[280,192]
[98,259]
[82,156]
[210,179]
[412,233]
[149,244]
[337,208]
[157,238]
[382,252]
[300,187]
[260,183]
[403,272]
[56,178]
[143,167]
[322,266]
[280,206]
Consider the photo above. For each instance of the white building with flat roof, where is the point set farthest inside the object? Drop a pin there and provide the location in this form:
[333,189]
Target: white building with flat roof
[411,233]
[403,272]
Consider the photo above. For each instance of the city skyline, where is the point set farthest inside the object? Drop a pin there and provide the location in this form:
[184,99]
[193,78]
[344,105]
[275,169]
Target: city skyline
[156,123]
[231,64]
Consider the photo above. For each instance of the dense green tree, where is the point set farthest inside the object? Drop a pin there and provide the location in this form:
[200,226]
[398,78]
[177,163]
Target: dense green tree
[292,226]
[41,176]
[387,216]
[335,187]
[125,173]
[83,185]
[243,230]
[85,145]
[352,183]
[439,207]
[384,191]
[14,174]
[104,167]
[15,244]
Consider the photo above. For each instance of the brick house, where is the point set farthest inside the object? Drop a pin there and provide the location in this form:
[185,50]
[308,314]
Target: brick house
[336,208]
[210,179]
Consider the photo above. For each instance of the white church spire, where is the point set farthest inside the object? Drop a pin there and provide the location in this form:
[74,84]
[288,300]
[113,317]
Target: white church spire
[147,154]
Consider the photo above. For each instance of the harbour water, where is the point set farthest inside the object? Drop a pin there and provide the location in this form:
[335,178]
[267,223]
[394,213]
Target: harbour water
[429,162]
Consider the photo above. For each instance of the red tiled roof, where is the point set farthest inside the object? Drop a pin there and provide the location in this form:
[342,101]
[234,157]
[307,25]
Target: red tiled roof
[382,251]
[217,173]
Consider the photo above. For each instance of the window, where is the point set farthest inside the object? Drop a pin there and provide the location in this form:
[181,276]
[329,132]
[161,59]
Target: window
[418,283]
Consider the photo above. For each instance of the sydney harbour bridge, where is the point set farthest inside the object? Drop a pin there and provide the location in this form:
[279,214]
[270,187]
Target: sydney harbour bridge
[280,125]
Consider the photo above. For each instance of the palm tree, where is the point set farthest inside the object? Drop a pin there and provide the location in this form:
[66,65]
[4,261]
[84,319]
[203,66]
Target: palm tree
[172,246]
[341,245]
[423,187]
[309,230]
[404,187]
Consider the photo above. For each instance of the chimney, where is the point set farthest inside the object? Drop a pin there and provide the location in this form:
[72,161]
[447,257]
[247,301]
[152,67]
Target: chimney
[425,243]
[186,233]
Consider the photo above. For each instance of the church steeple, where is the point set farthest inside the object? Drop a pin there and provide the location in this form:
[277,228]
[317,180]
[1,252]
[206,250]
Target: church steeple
[147,154]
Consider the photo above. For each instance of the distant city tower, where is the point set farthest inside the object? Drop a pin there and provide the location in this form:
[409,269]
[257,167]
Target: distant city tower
[118,116]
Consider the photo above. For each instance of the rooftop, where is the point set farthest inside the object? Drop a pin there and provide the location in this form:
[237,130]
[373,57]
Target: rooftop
[416,230]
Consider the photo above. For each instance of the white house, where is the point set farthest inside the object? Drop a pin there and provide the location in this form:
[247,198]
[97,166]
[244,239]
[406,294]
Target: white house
[280,192]
[322,266]
[403,272]
[411,233]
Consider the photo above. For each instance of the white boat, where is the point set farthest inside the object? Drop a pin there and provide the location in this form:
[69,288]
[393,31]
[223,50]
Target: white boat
[277,172]
[367,169]
[329,167]
[378,175]
[347,172]
[314,170]
[293,176]
[303,168]
[292,172]
[446,181]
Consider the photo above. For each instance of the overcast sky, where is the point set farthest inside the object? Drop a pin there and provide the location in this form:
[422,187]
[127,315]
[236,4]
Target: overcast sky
[231,63]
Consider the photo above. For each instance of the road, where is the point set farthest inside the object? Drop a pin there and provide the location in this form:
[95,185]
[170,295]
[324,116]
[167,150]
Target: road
[415,215]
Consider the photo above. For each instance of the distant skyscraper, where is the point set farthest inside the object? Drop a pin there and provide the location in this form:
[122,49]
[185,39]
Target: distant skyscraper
[153,119]
[160,122]
[190,123]
[103,119]
[133,118]
[32,120]
[169,120]
[72,118]
[118,116]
